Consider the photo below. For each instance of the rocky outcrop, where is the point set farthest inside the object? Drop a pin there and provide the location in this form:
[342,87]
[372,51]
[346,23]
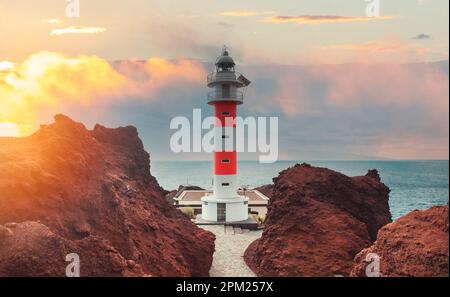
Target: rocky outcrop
[414,245]
[32,249]
[69,189]
[317,221]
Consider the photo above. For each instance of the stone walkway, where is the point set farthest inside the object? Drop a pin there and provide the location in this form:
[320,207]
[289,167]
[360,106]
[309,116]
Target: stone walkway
[230,247]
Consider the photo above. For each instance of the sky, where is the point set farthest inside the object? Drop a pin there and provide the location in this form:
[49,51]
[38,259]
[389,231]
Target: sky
[344,84]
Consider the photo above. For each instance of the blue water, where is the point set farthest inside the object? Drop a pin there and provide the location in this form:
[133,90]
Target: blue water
[413,184]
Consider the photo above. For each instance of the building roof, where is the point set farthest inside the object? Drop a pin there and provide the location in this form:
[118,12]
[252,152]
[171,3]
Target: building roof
[194,196]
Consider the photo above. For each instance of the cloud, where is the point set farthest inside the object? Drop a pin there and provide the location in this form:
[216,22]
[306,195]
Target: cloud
[51,21]
[315,88]
[389,50]
[51,80]
[385,110]
[6,65]
[377,46]
[397,111]
[185,40]
[421,36]
[77,30]
[321,19]
[225,25]
[245,13]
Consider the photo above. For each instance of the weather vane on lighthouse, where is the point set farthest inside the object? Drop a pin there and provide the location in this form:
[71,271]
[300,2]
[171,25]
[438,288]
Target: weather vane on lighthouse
[225,204]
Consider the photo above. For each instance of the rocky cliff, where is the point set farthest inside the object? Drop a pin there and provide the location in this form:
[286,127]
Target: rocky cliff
[317,221]
[66,189]
[414,245]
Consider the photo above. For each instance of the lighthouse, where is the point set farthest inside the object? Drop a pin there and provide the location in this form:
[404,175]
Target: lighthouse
[225,204]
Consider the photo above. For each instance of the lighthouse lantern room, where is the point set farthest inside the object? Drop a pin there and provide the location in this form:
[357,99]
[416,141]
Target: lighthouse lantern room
[225,205]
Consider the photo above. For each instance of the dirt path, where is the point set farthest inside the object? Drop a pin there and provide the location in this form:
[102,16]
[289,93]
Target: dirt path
[228,258]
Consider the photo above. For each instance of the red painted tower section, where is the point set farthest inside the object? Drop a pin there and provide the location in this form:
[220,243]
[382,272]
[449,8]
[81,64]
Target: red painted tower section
[225,162]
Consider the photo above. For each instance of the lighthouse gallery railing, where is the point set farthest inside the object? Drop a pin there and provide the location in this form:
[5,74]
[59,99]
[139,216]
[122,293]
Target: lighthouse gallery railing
[233,96]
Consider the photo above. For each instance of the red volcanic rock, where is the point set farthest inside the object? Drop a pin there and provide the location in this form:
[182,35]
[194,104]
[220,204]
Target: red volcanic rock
[414,245]
[34,248]
[93,191]
[317,221]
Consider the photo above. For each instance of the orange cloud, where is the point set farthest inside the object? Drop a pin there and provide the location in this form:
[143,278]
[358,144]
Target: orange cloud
[376,47]
[398,111]
[49,79]
[5,65]
[388,50]
[245,13]
[291,91]
[401,146]
[390,85]
[322,19]
[355,85]
[77,30]
[51,21]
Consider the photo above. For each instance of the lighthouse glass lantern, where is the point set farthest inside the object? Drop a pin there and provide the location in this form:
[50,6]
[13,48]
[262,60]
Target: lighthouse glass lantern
[225,204]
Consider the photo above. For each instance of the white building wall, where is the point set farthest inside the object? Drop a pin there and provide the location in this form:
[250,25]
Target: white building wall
[236,212]
[209,211]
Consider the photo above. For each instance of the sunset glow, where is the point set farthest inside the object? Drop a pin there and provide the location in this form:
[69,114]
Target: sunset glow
[49,79]
[339,77]
[322,19]
[78,30]
[6,65]
[9,130]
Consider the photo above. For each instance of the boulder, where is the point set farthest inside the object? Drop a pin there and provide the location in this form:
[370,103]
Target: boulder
[414,245]
[317,221]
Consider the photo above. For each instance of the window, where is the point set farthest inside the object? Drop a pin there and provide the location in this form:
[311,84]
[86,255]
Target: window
[205,203]
[225,136]
[225,113]
[225,184]
[225,161]
[245,202]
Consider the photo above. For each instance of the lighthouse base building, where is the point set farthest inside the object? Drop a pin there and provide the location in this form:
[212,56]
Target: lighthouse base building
[225,209]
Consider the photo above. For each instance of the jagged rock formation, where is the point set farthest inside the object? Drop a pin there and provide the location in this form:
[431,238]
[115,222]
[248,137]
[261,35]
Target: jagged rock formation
[32,249]
[414,245]
[317,221]
[92,193]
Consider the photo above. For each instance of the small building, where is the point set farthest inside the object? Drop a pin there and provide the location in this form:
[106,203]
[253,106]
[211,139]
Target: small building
[257,201]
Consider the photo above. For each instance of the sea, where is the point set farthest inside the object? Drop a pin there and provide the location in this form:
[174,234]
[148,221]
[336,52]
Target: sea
[413,184]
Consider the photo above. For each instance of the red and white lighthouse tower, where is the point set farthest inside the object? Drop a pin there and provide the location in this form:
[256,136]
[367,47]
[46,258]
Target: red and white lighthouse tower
[225,205]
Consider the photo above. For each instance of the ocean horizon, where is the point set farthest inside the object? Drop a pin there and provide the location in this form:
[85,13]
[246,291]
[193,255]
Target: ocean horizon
[414,184]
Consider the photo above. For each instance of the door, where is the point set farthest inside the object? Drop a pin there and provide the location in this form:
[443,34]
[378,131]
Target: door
[221,212]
